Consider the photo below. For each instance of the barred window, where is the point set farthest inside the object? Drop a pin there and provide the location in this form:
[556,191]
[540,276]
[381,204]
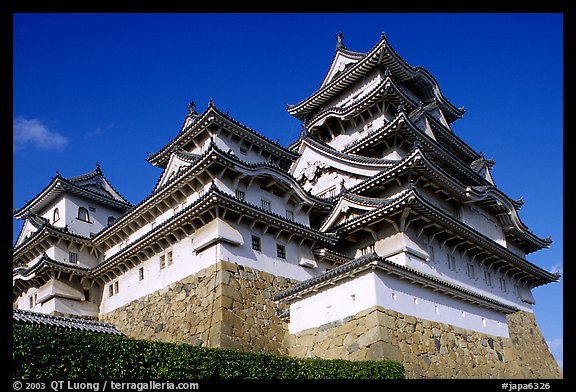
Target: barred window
[73,257]
[266,205]
[281,251]
[256,243]
[240,194]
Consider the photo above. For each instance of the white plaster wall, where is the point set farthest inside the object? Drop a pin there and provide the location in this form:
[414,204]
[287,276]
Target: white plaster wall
[333,303]
[48,212]
[267,260]
[185,263]
[482,222]
[98,219]
[437,265]
[372,288]
[61,253]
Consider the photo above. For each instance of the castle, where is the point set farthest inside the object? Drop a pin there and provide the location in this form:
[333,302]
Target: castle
[377,234]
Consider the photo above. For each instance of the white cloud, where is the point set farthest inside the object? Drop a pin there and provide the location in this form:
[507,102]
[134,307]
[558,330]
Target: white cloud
[556,347]
[557,268]
[31,132]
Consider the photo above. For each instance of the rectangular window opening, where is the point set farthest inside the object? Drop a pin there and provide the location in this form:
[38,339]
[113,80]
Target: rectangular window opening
[256,243]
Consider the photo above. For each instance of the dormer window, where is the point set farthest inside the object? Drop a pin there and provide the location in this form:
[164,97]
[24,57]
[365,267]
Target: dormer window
[83,214]
[111,220]
[56,216]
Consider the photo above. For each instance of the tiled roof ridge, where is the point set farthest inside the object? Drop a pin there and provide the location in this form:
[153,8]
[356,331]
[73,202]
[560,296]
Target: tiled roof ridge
[27,317]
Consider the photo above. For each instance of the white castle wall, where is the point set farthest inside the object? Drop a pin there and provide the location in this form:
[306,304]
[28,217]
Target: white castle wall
[374,288]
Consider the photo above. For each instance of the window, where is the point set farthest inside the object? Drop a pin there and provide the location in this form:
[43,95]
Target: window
[451,262]
[162,262]
[31,302]
[470,270]
[488,278]
[266,205]
[116,287]
[241,195]
[503,284]
[256,243]
[243,150]
[73,257]
[86,294]
[56,215]
[289,214]
[281,251]
[367,250]
[83,214]
[111,221]
[141,273]
[169,258]
[110,290]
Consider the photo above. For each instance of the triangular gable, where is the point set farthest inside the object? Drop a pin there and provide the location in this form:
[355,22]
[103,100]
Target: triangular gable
[28,229]
[175,164]
[342,212]
[99,185]
[340,62]
[315,159]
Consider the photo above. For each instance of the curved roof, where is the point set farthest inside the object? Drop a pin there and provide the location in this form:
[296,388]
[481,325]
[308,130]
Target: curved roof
[381,55]
[213,115]
[415,201]
[373,262]
[92,185]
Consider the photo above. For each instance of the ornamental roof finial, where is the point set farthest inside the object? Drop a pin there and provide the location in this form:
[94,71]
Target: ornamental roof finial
[339,41]
[192,108]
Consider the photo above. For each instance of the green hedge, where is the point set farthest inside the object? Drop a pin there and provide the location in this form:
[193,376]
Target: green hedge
[43,353]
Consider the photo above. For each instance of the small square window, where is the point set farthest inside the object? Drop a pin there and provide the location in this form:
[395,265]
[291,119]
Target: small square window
[281,251]
[73,257]
[266,205]
[289,214]
[256,243]
[241,195]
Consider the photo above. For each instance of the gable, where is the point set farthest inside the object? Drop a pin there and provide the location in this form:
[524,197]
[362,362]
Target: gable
[340,63]
[175,164]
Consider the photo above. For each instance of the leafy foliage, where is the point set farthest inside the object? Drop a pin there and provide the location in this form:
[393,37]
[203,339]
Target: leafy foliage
[40,353]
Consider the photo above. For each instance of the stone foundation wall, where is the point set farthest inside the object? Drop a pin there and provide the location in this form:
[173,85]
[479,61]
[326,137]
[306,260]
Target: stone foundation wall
[225,305]
[430,349]
[230,306]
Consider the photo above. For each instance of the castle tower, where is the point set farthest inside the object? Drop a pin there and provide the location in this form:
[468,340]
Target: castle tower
[54,254]
[433,247]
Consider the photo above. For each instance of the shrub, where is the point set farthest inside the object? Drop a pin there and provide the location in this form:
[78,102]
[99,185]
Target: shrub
[42,353]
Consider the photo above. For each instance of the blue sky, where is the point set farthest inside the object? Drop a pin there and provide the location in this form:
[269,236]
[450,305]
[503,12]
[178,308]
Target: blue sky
[111,88]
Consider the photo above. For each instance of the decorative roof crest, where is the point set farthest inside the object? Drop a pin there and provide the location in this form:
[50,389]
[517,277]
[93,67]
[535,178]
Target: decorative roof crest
[339,41]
